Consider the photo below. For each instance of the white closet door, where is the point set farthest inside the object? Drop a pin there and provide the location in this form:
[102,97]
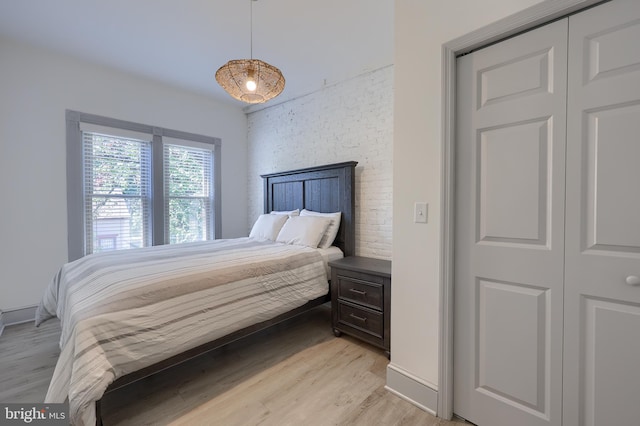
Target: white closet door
[510,168]
[602,297]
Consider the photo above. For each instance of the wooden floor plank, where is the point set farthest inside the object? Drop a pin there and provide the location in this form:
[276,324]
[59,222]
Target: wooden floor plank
[295,374]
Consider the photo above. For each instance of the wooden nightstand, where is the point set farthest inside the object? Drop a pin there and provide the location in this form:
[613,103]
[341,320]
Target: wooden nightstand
[361,299]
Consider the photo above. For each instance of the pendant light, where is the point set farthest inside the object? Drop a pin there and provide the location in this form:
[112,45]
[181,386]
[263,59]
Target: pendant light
[250,80]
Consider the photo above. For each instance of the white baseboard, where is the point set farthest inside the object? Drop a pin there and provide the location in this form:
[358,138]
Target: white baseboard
[17,316]
[418,392]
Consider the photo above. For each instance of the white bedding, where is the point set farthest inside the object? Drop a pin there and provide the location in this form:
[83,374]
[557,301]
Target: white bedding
[122,311]
[330,254]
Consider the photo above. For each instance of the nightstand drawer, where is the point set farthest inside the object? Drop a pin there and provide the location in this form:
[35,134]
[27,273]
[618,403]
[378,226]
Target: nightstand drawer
[365,320]
[359,291]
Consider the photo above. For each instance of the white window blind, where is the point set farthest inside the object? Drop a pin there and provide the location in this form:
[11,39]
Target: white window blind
[117,192]
[188,193]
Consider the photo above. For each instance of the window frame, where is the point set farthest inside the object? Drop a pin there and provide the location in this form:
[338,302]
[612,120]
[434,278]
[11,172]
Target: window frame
[75,190]
[167,197]
[91,138]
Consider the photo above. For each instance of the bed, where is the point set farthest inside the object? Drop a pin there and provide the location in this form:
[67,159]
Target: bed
[127,315]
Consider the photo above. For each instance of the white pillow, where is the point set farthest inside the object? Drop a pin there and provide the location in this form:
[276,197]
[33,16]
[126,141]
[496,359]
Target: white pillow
[268,226]
[332,230]
[303,231]
[295,212]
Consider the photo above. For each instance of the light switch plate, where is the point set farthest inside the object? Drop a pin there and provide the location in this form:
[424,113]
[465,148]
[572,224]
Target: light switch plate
[420,212]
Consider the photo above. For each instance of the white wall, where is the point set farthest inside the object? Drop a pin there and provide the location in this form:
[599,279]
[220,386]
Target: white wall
[352,120]
[36,86]
[421,28]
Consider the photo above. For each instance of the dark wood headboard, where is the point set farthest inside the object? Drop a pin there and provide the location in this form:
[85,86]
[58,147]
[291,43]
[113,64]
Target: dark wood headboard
[324,189]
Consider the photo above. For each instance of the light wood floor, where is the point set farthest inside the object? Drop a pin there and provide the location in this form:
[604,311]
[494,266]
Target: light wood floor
[295,374]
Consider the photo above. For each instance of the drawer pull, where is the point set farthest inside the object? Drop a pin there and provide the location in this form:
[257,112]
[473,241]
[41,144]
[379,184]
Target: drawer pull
[358,318]
[360,292]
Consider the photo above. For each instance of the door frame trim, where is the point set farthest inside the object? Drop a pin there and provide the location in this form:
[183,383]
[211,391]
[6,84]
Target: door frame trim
[527,19]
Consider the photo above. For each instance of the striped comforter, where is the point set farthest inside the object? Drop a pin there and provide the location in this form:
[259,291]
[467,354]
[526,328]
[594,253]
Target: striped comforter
[125,310]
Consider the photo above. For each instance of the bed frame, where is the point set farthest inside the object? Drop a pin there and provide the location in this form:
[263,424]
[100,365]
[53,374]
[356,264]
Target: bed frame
[324,189]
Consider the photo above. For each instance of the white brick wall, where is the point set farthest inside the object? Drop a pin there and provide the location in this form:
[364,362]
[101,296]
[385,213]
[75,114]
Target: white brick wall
[352,120]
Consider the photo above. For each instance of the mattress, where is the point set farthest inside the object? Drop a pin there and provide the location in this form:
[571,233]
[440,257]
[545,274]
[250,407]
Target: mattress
[122,311]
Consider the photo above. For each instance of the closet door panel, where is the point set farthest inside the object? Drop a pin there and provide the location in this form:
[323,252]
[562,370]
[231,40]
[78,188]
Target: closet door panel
[609,388]
[510,159]
[602,294]
[610,177]
[513,173]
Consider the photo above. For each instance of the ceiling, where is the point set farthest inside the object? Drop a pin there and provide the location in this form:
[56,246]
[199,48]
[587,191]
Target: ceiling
[184,42]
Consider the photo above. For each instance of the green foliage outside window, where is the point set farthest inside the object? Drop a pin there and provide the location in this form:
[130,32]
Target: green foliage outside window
[188,189]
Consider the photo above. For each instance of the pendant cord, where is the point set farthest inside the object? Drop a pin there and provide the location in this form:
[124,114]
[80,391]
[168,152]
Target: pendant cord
[251,32]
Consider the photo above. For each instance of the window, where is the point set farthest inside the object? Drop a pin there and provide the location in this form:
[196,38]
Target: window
[117,192]
[187,183]
[130,185]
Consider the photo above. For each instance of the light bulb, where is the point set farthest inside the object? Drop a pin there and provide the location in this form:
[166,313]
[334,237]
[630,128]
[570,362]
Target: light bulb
[251,85]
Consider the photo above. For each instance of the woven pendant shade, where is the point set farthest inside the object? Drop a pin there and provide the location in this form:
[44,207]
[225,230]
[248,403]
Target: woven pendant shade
[233,77]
